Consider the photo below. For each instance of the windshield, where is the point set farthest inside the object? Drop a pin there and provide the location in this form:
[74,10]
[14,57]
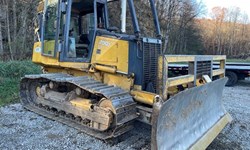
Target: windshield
[50,15]
[81,29]
[49,28]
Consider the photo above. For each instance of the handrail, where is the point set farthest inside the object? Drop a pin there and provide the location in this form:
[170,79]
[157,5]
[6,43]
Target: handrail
[198,66]
[191,60]
[180,80]
[222,62]
[179,58]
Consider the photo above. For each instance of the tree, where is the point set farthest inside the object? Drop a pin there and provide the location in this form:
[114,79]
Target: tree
[17,27]
[226,33]
[178,24]
[2,17]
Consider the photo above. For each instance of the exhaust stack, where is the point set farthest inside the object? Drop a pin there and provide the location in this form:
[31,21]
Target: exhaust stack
[123,15]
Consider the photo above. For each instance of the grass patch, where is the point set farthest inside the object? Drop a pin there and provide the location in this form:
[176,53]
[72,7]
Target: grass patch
[10,75]
[9,91]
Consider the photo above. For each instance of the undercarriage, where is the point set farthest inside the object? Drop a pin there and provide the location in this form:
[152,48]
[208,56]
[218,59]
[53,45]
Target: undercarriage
[95,108]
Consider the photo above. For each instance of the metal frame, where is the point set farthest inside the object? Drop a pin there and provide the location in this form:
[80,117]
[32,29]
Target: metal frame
[106,16]
[156,20]
[66,29]
[43,29]
[58,14]
[58,24]
[134,18]
[63,54]
[164,82]
[43,24]
[222,63]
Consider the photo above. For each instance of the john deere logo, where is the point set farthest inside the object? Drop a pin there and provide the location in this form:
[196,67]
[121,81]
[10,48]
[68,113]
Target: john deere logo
[104,43]
[38,49]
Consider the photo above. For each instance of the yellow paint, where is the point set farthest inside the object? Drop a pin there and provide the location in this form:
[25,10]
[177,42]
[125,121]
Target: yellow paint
[218,57]
[211,134]
[63,70]
[105,68]
[223,66]
[37,50]
[75,65]
[53,61]
[191,58]
[179,58]
[160,87]
[52,65]
[143,97]
[40,7]
[73,72]
[200,82]
[218,72]
[137,87]
[43,60]
[173,90]
[114,53]
[81,102]
[180,80]
[111,52]
[170,86]
[118,80]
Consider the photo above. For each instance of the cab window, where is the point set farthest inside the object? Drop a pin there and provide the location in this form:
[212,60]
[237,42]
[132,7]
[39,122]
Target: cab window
[81,30]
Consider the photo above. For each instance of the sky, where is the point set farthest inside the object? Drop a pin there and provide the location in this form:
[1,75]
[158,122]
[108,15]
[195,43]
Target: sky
[244,5]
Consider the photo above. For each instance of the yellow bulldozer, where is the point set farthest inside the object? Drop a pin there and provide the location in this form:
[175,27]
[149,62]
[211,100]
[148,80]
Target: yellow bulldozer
[100,80]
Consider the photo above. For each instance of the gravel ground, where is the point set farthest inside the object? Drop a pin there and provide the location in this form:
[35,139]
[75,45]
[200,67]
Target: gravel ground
[21,129]
[237,103]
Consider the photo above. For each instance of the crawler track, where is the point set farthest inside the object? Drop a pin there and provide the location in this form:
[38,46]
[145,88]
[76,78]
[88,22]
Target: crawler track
[121,100]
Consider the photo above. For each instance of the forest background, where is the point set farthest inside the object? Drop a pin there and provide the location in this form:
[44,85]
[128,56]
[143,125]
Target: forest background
[185,26]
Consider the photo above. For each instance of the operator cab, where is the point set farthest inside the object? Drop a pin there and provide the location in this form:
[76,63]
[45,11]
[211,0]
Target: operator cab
[83,26]
[69,28]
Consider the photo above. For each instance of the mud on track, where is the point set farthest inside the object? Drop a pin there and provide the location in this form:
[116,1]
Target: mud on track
[21,129]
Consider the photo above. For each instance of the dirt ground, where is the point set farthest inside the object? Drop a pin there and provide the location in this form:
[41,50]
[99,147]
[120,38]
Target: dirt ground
[21,129]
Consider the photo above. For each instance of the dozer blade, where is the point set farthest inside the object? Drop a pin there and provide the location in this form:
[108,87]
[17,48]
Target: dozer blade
[192,118]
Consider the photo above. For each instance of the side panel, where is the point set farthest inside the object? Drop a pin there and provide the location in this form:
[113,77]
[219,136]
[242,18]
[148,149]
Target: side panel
[135,64]
[111,52]
[143,62]
[40,59]
[118,80]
